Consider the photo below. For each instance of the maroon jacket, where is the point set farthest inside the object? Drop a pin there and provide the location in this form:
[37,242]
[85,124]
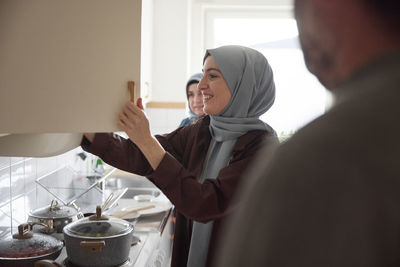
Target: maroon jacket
[177,175]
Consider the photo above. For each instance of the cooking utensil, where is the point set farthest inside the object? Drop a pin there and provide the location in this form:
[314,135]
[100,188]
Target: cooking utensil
[105,204]
[98,240]
[115,200]
[124,213]
[55,216]
[26,247]
[111,201]
[127,204]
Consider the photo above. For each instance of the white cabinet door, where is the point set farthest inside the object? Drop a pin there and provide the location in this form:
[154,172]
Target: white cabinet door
[64,65]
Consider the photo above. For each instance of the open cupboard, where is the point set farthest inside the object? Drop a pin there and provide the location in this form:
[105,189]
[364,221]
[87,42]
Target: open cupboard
[64,69]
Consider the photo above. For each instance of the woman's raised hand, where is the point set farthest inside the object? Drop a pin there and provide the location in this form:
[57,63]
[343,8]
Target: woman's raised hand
[134,122]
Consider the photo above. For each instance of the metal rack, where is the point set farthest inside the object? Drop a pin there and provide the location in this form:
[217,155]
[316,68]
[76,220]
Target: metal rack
[68,185]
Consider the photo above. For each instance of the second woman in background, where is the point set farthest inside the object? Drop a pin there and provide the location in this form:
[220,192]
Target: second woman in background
[195,100]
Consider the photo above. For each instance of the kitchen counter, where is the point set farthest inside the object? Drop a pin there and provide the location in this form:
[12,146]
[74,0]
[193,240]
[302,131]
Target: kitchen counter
[159,230]
[158,248]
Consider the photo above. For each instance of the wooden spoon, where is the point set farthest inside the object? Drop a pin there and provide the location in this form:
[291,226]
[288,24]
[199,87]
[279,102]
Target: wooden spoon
[124,213]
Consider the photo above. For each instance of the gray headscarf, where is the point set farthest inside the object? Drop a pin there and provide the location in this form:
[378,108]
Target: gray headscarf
[250,80]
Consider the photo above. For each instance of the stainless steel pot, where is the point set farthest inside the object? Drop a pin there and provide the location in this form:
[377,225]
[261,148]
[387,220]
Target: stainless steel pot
[55,216]
[25,248]
[98,240]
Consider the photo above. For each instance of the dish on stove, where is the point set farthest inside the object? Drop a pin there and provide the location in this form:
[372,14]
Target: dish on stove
[26,247]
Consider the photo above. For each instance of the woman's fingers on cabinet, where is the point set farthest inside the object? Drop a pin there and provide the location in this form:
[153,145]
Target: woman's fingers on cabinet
[133,108]
[126,120]
[139,103]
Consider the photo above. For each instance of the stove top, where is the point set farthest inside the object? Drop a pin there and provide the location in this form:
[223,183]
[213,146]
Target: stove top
[138,242]
[67,263]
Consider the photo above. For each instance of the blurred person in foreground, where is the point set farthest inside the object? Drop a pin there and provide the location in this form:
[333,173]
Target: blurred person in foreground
[331,194]
[195,100]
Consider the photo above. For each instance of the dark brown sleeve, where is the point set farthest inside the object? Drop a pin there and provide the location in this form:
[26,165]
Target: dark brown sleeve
[206,201]
[118,152]
[125,155]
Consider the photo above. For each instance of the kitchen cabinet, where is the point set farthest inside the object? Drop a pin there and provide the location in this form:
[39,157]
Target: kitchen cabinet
[65,65]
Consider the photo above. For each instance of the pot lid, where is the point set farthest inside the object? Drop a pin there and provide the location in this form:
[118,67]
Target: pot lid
[26,244]
[98,226]
[54,211]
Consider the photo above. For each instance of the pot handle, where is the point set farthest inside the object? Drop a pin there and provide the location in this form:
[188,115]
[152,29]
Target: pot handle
[54,205]
[23,231]
[49,226]
[93,246]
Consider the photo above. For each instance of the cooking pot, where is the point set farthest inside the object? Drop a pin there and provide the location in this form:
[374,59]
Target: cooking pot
[24,248]
[55,216]
[98,240]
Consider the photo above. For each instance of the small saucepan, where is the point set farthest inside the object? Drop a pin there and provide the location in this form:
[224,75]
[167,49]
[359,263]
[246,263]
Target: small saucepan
[55,216]
[25,248]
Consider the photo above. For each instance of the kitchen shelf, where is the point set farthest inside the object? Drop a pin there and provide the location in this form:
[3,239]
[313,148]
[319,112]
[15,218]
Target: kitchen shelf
[68,185]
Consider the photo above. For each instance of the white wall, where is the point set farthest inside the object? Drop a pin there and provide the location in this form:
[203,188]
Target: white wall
[169,51]
[164,120]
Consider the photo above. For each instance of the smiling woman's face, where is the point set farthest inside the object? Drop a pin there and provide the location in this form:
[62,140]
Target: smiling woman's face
[195,99]
[216,93]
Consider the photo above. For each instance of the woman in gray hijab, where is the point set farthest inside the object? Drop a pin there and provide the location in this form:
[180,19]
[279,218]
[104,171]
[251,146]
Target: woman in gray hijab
[199,167]
[194,99]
